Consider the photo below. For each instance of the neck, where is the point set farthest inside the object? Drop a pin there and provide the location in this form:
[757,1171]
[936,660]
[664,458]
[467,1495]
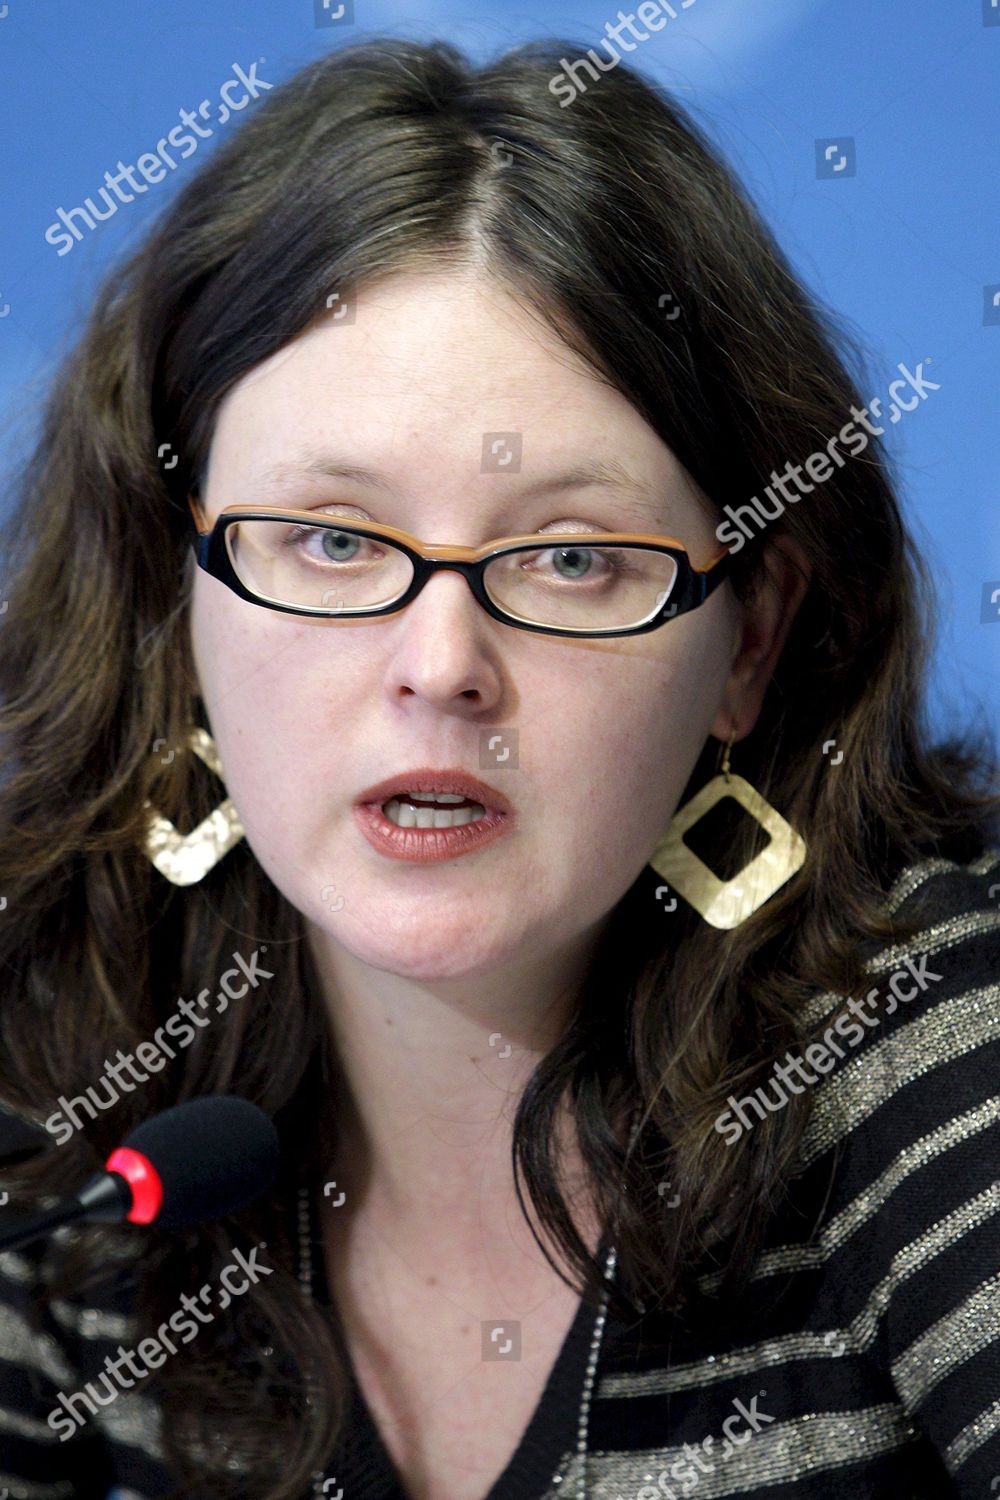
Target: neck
[430,1074]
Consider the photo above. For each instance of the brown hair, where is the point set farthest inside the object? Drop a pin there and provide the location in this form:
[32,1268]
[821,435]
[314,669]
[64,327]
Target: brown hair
[373,160]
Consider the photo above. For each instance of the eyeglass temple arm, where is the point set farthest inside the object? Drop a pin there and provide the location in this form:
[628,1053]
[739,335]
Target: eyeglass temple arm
[707,579]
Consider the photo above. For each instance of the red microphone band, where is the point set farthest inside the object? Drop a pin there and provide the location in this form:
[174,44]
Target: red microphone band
[144,1180]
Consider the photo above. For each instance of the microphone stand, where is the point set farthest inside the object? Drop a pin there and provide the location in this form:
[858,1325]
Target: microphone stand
[106,1198]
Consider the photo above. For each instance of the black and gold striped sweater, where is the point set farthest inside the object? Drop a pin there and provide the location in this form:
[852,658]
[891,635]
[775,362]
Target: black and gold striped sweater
[862,1361]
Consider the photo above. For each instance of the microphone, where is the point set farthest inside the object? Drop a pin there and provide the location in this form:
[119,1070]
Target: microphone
[192,1163]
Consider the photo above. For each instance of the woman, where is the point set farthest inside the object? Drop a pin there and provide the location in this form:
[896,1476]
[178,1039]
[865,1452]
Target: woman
[734,1025]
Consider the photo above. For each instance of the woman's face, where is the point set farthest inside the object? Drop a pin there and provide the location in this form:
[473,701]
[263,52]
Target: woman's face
[309,713]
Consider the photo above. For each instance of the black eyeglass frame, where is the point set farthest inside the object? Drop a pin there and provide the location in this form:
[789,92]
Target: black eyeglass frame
[692,585]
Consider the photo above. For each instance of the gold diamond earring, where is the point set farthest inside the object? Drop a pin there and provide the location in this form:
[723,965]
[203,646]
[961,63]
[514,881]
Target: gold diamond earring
[727,903]
[185,858]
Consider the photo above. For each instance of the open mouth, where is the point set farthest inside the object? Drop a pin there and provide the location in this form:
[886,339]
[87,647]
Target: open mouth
[426,826]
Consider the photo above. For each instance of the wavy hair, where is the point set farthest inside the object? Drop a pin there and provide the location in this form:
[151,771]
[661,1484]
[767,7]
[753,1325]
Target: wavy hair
[380,158]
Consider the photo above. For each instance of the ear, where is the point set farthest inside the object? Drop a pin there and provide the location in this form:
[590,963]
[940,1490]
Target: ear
[767,619]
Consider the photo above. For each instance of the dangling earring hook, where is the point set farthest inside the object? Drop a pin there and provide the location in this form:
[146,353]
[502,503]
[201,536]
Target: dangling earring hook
[725,752]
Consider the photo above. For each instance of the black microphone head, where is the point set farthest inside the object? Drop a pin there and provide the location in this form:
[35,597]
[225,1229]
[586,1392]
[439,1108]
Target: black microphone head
[213,1156]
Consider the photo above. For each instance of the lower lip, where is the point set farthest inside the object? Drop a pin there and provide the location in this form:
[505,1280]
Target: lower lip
[424,845]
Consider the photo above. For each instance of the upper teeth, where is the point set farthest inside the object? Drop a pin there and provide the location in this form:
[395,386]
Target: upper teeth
[432,796]
[409,815]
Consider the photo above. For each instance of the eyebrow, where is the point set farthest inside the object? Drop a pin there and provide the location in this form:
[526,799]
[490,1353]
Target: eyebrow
[610,474]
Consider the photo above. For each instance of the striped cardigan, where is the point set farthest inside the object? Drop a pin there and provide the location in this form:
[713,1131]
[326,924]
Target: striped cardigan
[863,1360]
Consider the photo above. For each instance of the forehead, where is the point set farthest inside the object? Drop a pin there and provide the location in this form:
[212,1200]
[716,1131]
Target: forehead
[426,358]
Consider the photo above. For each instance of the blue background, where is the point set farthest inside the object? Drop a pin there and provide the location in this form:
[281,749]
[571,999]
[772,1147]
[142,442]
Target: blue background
[907,248]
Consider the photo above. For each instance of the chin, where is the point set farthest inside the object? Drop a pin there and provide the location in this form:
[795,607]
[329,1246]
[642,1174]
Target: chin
[449,953]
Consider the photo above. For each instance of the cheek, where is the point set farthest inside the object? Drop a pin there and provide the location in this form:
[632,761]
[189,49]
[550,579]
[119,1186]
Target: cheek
[268,727]
[654,732]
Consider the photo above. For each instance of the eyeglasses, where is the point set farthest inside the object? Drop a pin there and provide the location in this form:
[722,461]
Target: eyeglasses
[559,583]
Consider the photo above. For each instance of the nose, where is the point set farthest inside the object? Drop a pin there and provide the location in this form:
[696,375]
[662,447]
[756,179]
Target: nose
[446,645]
